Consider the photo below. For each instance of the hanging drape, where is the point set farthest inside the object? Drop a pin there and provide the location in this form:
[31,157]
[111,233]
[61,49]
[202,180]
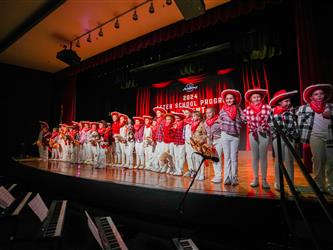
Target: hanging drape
[143,101]
[68,101]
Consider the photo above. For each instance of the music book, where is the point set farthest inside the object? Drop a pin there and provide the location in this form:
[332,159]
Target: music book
[94,230]
[5,198]
[38,206]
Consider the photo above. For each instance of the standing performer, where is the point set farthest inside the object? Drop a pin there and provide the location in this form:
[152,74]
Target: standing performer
[168,139]
[231,117]
[213,129]
[123,119]
[54,145]
[179,143]
[315,121]
[115,131]
[257,117]
[138,135]
[85,151]
[93,139]
[43,140]
[283,114]
[158,136]
[148,141]
[187,134]
[130,144]
[199,136]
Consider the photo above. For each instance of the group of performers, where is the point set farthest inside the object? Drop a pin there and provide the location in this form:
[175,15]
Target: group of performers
[165,142]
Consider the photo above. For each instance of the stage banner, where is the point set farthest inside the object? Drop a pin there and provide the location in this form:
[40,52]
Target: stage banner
[195,92]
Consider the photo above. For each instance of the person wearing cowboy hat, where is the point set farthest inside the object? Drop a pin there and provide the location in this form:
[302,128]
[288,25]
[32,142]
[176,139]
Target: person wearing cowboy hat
[115,127]
[213,129]
[257,117]
[188,111]
[148,142]
[231,119]
[43,140]
[283,114]
[179,142]
[158,136]
[123,119]
[315,121]
[168,140]
[138,136]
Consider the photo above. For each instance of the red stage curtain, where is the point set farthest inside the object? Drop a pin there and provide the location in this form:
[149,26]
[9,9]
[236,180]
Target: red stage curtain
[254,75]
[143,101]
[68,101]
[192,79]
[161,85]
[227,11]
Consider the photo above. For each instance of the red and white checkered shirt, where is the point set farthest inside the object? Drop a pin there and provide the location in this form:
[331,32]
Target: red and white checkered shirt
[258,122]
[179,135]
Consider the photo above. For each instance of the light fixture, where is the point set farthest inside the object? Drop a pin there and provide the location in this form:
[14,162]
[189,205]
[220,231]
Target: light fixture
[78,43]
[168,2]
[116,24]
[89,38]
[100,33]
[135,16]
[151,8]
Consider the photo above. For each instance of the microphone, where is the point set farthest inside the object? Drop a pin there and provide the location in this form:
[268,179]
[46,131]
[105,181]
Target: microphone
[213,158]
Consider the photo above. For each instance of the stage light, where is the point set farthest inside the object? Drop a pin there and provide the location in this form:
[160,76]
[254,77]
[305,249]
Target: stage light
[116,24]
[78,44]
[89,38]
[100,33]
[151,8]
[168,2]
[135,16]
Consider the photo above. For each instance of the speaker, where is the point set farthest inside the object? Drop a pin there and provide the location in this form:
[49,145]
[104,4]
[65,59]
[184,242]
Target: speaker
[191,8]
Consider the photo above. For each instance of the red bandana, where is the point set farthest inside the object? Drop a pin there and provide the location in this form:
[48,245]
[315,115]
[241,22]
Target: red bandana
[137,126]
[256,108]
[211,121]
[188,120]
[147,125]
[318,106]
[279,110]
[195,125]
[101,131]
[230,110]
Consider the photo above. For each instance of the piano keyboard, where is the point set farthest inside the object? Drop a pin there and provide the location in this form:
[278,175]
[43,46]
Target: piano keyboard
[110,237]
[53,224]
[184,244]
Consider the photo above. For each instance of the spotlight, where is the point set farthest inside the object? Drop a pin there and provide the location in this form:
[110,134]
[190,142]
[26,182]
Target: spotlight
[151,8]
[116,24]
[78,44]
[168,2]
[100,33]
[89,38]
[135,16]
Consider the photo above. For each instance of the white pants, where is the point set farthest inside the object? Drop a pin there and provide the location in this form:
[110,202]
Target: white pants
[43,152]
[179,152]
[188,153]
[129,149]
[259,153]
[159,149]
[117,152]
[74,153]
[230,151]
[218,165]
[87,152]
[148,156]
[287,158]
[123,153]
[101,157]
[94,152]
[55,153]
[322,158]
[139,151]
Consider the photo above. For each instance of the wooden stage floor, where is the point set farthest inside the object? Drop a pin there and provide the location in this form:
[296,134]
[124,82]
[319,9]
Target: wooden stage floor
[149,179]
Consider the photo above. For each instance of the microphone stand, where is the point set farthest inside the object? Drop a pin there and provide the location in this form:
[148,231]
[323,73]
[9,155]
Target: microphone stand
[180,208]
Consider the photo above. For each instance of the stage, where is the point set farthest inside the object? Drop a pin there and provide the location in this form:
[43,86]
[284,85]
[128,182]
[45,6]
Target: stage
[152,180]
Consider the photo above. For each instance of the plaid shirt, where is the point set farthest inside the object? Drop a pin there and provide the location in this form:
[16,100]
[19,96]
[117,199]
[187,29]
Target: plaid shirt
[179,136]
[230,126]
[169,133]
[159,131]
[258,122]
[287,122]
[305,118]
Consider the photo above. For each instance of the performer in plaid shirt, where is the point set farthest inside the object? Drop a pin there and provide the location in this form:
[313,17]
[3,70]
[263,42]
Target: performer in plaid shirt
[158,136]
[286,119]
[123,119]
[257,118]
[213,129]
[148,141]
[179,142]
[168,139]
[231,118]
[315,121]
[187,134]
[138,135]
